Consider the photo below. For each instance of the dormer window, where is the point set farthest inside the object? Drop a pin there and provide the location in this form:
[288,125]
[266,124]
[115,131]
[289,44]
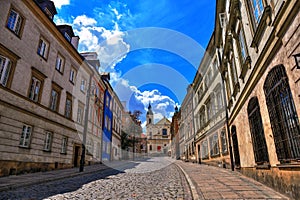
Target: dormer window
[67,36]
[47,11]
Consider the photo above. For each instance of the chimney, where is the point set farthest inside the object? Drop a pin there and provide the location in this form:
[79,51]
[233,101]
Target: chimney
[75,42]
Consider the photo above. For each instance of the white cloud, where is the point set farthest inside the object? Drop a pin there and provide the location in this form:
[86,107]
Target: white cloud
[60,3]
[83,20]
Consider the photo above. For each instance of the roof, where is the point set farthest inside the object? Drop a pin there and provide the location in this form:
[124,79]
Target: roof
[164,121]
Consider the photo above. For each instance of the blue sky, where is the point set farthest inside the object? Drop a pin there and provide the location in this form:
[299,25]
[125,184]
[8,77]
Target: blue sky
[151,48]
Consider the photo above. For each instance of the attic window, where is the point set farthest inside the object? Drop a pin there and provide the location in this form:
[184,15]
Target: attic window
[47,11]
[67,37]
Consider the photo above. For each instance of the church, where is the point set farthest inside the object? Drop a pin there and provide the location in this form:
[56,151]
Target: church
[158,135]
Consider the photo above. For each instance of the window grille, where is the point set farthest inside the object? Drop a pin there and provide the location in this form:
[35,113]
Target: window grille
[257,132]
[283,116]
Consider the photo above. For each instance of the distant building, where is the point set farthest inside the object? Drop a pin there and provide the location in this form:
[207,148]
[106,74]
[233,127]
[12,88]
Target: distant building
[175,150]
[158,135]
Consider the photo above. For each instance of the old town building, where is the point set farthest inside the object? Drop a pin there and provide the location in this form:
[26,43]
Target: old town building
[187,125]
[209,112]
[116,127]
[158,135]
[257,42]
[175,150]
[39,69]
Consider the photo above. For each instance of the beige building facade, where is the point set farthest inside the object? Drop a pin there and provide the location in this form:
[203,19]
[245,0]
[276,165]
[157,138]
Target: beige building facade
[257,42]
[43,87]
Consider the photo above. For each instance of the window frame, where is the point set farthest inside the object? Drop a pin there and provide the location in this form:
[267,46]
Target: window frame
[22,142]
[64,145]
[43,51]
[69,108]
[72,75]
[36,74]
[22,23]
[57,89]
[48,141]
[60,68]
[6,53]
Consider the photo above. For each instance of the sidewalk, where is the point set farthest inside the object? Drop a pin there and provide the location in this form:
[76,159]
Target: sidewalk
[210,182]
[12,182]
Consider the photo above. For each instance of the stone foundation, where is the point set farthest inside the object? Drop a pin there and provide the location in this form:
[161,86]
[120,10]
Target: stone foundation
[284,180]
[17,168]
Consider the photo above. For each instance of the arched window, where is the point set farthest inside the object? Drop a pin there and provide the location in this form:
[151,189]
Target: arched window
[257,132]
[283,115]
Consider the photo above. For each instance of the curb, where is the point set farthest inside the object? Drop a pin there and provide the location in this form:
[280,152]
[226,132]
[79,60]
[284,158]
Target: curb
[191,184]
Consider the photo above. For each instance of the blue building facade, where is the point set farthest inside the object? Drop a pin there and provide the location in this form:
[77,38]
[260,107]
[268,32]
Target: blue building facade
[107,126]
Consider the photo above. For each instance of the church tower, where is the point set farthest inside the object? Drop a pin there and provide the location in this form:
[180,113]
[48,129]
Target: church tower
[149,116]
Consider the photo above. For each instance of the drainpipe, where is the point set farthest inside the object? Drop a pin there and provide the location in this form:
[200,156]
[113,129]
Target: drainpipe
[226,113]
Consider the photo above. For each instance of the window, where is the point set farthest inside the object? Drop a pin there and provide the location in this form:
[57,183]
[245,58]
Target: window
[59,64]
[80,113]
[234,77]
[25,136]
[15,22]
[34,89]
[5,68]
[164,132]
[43,48]
[283,115]
[257,132]
[72,75]
[204,150]
[257,8]
[67,36]
[82,85]
[54,98]
[223,142]
[64,145]
[48,141]
[214,145]
[68,109]
[150,147]
[242,43]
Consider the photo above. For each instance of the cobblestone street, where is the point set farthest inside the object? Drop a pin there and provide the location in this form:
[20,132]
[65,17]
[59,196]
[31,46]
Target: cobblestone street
[153,178]
[149,179]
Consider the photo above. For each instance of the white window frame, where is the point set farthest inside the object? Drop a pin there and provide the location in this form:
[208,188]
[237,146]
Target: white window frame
[59,64]
[82,85]
[43,48]
[48,141]
[35,88]
[54,100]
[64,145]
[72,75]
[79,114]
[14,23]
[25,136]
[68,112]
[5,68]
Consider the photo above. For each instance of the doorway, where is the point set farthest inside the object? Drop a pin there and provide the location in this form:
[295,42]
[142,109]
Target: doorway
[76,156]
[236,152]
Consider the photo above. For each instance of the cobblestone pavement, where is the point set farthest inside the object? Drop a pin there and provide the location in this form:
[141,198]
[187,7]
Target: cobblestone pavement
[218,183]
[155,178]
